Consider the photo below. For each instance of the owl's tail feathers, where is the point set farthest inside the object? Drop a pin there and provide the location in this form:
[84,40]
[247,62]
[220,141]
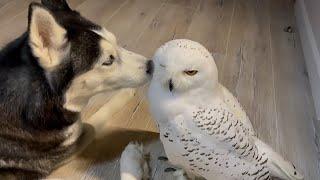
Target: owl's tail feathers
[278,166]
[133,163]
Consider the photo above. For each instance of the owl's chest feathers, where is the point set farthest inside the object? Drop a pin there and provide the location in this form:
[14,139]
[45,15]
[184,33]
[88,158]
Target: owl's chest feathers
[171,105]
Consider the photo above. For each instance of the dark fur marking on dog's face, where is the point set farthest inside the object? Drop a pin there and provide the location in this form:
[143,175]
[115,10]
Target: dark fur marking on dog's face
[56,5]
[82,56]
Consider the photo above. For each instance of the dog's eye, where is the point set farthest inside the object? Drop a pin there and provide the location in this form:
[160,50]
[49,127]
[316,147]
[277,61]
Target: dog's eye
[191,72]
[110,62]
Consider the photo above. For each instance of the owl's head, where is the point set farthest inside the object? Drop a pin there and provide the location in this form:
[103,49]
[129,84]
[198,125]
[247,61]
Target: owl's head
[182,65]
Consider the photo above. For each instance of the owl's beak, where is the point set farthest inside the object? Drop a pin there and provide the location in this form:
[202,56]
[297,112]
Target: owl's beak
[171,85]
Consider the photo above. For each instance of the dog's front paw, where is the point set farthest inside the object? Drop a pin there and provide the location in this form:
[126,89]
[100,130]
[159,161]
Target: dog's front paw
[133,163]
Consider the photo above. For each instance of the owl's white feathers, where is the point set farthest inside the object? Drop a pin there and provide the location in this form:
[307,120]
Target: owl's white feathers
[202,126]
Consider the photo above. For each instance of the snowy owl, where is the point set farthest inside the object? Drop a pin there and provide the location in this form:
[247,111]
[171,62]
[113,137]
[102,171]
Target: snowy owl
[202,126]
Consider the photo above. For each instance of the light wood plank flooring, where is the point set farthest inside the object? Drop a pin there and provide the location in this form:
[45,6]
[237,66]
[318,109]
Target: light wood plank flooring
[257,60]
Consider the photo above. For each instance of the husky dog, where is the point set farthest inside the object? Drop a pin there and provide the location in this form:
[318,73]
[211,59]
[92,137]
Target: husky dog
[47,76]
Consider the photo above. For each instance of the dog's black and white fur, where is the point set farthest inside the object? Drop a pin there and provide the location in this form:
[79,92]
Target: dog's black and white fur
[47,76]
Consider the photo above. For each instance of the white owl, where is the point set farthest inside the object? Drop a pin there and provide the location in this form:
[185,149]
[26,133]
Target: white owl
[202,126]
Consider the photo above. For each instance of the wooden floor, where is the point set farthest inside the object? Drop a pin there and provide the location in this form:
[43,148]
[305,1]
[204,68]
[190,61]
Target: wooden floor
[257,60]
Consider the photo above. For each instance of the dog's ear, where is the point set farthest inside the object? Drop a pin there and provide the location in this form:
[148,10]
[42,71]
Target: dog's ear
[56,5]
[47,38]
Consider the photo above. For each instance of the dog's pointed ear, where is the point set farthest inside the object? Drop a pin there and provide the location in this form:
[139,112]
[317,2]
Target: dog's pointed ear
[47,38]
[56,5]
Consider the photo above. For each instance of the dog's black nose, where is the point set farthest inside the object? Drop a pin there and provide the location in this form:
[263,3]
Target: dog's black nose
[149,67]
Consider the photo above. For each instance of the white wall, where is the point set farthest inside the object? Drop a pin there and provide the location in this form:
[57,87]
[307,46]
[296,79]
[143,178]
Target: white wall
[308,21]
[313,10]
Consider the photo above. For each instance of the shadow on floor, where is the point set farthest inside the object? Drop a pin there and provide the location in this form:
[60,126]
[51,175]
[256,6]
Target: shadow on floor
[110,144]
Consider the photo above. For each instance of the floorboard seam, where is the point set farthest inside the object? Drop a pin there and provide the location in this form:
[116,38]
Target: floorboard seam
[273,84]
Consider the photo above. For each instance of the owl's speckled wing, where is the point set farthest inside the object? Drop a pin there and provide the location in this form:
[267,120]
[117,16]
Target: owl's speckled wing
[215,140]
[223,126]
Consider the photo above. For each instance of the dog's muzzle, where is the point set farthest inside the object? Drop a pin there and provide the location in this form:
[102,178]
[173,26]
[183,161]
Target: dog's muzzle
[149,67]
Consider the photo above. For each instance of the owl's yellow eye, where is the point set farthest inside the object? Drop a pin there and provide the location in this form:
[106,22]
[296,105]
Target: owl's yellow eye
[191,72]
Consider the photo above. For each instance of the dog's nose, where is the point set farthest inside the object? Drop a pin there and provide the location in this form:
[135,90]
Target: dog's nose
[149,67]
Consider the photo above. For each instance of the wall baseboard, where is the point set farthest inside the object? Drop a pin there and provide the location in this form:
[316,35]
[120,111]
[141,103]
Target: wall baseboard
[310,51]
